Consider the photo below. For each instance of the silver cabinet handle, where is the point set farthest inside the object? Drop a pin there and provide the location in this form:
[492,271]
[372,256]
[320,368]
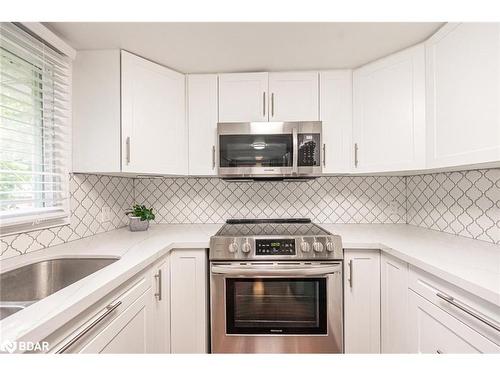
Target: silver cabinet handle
[324,155]
[295,157]
[213,157]
[127,150]
[439,351]
[109,309]
[158,280]
[356,155]
[272,104]
[264,104]
[350,274]
[464,308]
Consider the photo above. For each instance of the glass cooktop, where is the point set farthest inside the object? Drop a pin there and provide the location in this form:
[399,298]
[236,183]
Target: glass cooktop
[270,227]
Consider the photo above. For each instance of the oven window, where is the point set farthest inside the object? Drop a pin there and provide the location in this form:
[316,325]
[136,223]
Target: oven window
[276,306]
[268,150]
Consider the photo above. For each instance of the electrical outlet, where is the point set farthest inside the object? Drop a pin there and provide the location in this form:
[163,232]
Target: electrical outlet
[393,207]
[105,214]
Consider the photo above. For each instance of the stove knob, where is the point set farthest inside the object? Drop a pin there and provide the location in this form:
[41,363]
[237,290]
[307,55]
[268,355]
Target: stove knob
[233,247]
[246,247]
[330,246]
[305,247]
[318,247]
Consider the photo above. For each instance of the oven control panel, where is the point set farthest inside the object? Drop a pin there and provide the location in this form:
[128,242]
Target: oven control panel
[275,247]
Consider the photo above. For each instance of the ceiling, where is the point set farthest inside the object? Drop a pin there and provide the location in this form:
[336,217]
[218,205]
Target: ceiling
[237,47]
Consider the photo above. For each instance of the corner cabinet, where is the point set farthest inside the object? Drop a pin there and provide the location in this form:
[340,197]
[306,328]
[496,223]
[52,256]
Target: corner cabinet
[389,113]
[154,133]
[128,115]
[335,112]
[362,301]
[463,95]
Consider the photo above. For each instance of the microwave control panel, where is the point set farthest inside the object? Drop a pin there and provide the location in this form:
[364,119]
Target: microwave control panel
[275,247]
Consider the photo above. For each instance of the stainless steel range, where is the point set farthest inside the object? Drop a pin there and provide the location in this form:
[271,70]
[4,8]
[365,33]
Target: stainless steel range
[276,287]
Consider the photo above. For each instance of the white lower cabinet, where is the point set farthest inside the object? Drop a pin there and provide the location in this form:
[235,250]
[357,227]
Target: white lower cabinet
[189,302]
[362,301]
[432,330]
[393,304]
[161,310]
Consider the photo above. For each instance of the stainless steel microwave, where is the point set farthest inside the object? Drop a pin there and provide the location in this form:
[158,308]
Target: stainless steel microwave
[269,149]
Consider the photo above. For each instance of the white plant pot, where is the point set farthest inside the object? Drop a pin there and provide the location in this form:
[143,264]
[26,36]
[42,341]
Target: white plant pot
[136,225]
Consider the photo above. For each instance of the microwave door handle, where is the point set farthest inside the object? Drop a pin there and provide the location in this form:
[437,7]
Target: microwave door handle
[295,159]
[276,271]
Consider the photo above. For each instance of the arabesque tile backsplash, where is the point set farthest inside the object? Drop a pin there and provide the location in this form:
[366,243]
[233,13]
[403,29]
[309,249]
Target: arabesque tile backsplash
[463,203]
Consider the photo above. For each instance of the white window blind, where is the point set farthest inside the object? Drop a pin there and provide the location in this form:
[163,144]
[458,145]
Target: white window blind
[35,134]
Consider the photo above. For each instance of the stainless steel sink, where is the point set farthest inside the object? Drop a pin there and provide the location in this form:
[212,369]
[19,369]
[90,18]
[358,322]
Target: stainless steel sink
[23,286]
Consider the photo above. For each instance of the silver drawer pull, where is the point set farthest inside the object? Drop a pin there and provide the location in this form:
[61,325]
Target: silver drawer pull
[350,273]
[459,305]
[213,157]
[109,309]
[158,278]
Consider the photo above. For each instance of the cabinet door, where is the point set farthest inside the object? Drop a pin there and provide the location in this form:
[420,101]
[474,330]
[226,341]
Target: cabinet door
[293,96]
[127,333]
[154,132]
[362,301]
[189,315]
[463,95]
[432,330]
[336,115]
[243,97]
[394,304]
[202,122]
[160,307]
[389,113]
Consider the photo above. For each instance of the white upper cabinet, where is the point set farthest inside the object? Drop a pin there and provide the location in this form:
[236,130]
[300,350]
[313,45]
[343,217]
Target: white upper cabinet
[463,95]
[293,96]
[389,113]
[243,97]
[336,115]
[96,112]
[139,128]
[154,134]
[202,123]
[287,96]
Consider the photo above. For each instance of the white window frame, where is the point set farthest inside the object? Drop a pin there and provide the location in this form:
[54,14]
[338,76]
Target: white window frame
[36,219]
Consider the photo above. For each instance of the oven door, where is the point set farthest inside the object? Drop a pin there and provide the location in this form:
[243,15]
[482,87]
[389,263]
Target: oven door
[269,149]
[277,308]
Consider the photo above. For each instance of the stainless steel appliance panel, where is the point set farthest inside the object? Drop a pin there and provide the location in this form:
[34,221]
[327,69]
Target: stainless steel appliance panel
[269,149]
[293,327]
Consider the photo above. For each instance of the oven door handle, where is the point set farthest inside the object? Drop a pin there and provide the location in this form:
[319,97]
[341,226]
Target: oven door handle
[276,271]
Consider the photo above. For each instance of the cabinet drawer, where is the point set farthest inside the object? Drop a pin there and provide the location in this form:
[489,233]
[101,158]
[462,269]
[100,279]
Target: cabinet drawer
[84,328]
[471,310]
[432,330]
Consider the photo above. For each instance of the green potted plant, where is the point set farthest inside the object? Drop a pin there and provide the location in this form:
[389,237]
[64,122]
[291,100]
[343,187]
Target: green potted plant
[139,217]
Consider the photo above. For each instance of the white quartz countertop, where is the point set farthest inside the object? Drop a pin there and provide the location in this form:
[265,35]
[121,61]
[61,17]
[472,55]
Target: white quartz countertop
[470,264]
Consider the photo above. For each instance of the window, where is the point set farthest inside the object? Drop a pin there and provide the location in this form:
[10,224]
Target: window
[34,132]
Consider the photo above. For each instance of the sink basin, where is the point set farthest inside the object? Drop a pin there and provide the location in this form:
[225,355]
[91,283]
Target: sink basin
[28,284]
[7,310]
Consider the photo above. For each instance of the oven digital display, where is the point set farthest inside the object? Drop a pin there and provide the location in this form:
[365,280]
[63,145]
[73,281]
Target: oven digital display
[275,247]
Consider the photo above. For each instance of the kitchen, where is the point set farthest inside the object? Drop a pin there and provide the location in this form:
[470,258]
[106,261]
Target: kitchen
[156,202]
